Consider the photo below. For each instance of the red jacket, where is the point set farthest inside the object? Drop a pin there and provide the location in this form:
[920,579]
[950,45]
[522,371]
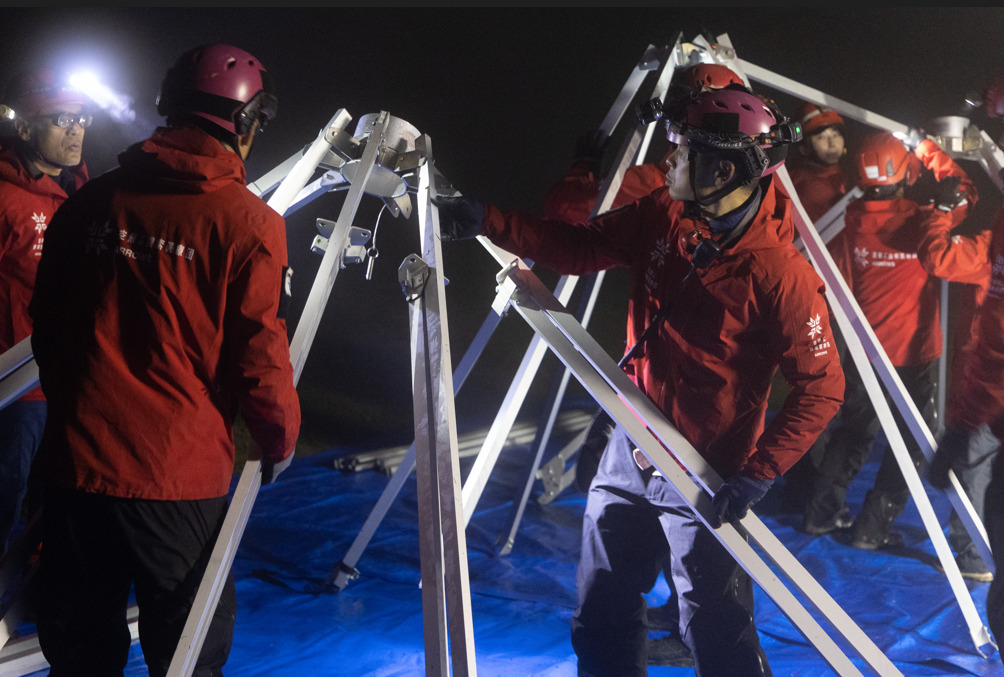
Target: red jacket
[758,307]
[819,186]
[29,201]
[573,197]
[896,251]
[158,315]
[977,388]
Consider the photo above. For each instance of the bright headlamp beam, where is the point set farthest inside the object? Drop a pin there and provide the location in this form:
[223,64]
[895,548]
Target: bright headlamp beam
[119,106]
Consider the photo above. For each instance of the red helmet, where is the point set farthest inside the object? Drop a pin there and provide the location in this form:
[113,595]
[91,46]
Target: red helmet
[881,160]
[35,90]
[222,84]
[994,99]
[700,77]
[735,119]
[709,76]
[815,118]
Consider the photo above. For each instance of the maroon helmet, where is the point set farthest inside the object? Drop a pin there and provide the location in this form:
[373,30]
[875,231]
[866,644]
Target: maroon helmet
[222,84]
[735,119]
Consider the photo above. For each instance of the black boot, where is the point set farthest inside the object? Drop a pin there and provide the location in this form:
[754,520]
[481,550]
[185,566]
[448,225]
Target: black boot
[825,510]
[873,525]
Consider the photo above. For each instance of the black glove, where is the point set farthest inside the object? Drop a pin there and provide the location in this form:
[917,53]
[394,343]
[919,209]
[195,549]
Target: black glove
[952,448]
[460,218]
[270,470]
[949,193]
[735,497]
[590,149]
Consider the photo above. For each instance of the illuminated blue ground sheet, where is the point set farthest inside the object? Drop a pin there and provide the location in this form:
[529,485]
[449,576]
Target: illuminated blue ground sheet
[522,603]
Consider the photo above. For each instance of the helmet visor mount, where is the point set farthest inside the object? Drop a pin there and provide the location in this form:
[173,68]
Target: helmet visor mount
[261,108]
[780,134]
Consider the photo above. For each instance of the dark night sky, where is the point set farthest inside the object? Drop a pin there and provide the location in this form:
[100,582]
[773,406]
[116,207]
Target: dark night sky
[503,94]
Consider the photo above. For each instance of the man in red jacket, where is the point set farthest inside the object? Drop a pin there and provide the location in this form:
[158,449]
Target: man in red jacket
[820,177]
[975,403]
[41,164]
[818,171]
[715,272]
[159,313]
[572,199]
[897,251]
[976,400]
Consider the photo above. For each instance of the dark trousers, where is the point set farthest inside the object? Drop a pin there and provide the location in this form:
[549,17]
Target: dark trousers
[848,445]
[973,471]
[21,425]
[630,522]
[94,549]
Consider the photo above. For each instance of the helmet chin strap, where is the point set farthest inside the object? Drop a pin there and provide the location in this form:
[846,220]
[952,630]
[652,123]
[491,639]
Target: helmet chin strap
[696,208]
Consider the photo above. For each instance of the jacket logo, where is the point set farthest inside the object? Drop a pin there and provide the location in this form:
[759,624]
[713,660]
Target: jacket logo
[815,326]
[660,252]
[861,256]
[996,289]
[998,269]
[97,237]
[820,345]
[39,220]
[884,259]
[141,247]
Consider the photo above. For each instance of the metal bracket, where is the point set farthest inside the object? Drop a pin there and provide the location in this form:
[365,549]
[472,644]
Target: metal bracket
[412,275]
[553,474]
[355,250]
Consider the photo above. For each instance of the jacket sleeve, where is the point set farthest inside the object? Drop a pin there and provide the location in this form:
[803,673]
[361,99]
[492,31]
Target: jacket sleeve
[942,166]
[60,256]
[573,197]
[568,248]
[258,342]
[976,393]
[809,364]
[957,258]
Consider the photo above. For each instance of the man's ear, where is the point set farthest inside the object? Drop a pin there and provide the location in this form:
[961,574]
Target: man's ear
[23,128]
[725,171]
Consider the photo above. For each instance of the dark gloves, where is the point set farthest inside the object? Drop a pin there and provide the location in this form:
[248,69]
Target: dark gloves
[952,448]
[735,497]
[460,218]
[949,193]
[270,470]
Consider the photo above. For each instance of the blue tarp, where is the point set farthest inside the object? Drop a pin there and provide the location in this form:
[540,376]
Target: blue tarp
[290,624]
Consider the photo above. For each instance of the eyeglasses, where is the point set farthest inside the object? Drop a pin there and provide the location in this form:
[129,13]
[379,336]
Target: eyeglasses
[64,120]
